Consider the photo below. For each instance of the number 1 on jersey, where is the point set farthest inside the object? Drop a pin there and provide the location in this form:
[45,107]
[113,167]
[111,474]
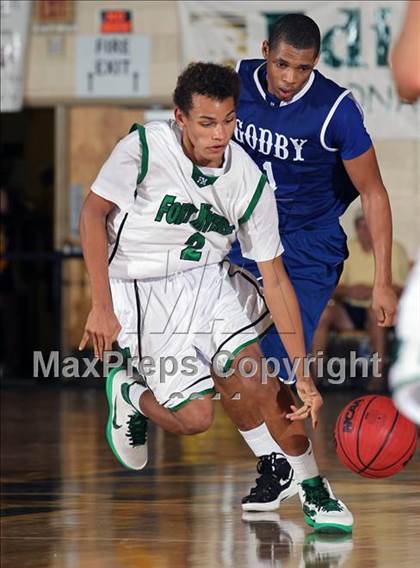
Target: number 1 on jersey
[192,251]
[268,168]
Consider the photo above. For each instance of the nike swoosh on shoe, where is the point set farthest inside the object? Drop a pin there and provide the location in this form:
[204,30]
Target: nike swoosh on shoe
[114,419]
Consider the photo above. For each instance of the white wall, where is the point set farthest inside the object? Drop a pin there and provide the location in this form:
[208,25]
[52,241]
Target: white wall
[399,162]
[51,64]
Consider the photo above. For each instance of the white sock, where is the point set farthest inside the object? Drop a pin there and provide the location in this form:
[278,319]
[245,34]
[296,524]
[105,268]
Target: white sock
[305,465]
[260,441]
[135,391]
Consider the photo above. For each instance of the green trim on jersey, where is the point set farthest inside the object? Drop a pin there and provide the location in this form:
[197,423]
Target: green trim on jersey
[255,198]
[201,179]
[144,151]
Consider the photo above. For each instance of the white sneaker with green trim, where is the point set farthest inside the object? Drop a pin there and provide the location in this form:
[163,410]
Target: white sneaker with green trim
[126,429]
[321,509]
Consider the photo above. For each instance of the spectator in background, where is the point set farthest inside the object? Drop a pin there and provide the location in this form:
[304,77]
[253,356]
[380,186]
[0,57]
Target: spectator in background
[353,309]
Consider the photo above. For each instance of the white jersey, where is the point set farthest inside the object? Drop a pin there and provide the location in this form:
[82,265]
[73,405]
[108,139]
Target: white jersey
[171,216]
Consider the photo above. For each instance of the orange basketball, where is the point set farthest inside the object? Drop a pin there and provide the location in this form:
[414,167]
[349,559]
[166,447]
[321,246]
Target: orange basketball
[372,438]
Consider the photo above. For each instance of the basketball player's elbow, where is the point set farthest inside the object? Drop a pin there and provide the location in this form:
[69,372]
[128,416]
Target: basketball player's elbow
[374,197]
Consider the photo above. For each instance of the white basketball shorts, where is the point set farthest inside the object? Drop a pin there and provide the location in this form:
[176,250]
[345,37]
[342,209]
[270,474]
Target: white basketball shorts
[177,327]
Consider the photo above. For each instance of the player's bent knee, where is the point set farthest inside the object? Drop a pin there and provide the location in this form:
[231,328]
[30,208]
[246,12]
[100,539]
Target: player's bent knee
[197,416]
[251,389]
[261,395]
[268,390]
[198,425]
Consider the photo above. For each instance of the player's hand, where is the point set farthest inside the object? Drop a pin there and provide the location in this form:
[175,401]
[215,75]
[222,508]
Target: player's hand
[312,402]
[384,304]
[102,327]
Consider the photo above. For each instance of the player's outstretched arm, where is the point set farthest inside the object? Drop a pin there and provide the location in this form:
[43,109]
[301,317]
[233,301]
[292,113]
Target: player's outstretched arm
[365,175]
[102,325]
[284,308]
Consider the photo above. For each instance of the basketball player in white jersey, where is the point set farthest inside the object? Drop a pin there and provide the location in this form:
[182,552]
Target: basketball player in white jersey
[405,373]
[156,228]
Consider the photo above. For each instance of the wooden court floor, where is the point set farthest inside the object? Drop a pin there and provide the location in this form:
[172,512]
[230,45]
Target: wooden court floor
[67,503]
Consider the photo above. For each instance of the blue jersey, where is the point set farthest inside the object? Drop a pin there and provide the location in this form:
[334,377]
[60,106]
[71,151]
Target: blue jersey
[300,145]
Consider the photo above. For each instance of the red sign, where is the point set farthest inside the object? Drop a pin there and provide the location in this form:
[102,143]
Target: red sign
[116,22]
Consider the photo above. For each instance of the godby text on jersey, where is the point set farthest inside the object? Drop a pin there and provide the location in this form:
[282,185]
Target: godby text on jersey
[268,142]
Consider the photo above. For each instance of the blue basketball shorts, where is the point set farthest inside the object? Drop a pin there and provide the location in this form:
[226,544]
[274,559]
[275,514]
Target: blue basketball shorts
[314,261]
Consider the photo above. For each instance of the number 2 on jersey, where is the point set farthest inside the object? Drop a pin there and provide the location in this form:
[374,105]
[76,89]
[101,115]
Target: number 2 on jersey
[268,168]
[192,251]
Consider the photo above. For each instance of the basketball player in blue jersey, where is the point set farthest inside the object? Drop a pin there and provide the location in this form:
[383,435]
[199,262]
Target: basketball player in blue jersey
[307,134]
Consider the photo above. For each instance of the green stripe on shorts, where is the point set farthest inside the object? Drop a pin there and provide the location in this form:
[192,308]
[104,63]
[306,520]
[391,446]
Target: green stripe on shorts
[235,352]
[192,397]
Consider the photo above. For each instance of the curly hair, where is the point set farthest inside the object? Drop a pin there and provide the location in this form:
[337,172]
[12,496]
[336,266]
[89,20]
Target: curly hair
[217,82]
